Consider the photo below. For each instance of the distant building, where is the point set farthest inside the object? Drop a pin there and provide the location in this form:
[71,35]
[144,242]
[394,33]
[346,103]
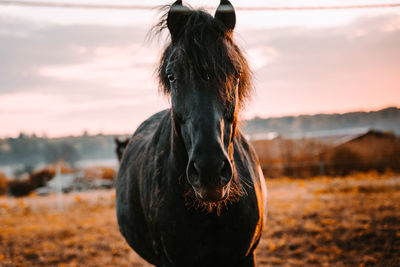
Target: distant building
[373,150]
[336,152]
[262,136]
[332,137]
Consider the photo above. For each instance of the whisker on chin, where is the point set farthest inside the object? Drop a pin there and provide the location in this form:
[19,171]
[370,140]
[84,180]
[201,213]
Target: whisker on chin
[236,191]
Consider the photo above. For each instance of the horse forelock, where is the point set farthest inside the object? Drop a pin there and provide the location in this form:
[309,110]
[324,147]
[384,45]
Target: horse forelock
[208,54]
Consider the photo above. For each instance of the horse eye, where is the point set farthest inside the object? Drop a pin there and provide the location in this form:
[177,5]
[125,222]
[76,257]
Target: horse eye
[171,78]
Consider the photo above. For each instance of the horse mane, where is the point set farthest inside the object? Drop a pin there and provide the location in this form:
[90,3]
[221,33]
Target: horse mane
[206,51]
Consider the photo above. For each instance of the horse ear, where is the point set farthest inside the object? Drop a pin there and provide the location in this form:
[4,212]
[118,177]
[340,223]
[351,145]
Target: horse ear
[226,14]
[177,17]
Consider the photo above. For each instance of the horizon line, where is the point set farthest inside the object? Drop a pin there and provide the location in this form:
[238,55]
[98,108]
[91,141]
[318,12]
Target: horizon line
[86,131]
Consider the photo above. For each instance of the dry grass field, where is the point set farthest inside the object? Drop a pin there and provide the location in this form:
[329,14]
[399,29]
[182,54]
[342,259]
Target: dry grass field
[352,221]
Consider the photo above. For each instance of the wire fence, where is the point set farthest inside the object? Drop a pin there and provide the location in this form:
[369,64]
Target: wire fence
[310,168]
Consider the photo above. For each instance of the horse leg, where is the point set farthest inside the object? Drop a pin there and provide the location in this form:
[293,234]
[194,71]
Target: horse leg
[247,262]
[165,263]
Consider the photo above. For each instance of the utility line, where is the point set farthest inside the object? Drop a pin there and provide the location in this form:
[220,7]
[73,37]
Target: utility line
[288,8]
[73,5]
[146,7]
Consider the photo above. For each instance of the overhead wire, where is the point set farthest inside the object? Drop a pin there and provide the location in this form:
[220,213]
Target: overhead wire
[147,7]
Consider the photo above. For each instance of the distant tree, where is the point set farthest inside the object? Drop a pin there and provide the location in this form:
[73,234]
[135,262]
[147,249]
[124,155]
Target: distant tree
[23,149]
[69,153]
[54,152]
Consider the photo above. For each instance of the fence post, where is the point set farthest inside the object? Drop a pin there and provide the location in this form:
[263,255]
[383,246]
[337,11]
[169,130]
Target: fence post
[321,168]
[59,187]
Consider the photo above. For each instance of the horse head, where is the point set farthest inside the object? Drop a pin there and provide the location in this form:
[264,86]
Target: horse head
[120,146]
[207,78]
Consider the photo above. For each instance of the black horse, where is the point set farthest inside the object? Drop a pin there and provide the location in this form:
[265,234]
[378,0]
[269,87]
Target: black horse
[190,191]
[120,146]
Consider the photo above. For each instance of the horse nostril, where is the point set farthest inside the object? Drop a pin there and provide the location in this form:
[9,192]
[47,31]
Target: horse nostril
[226,172]
[196,168]
[209,174]
[192,173]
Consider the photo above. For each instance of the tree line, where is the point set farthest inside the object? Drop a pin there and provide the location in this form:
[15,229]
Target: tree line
[30,150]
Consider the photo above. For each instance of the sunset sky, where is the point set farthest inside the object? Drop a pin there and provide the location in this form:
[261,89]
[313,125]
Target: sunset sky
[65,71]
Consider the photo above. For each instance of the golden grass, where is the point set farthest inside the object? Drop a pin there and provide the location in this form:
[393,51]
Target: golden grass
[311,223]
[3,184]
[100,172]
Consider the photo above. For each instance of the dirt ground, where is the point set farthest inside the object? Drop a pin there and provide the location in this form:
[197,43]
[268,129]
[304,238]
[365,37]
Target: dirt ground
[352,221]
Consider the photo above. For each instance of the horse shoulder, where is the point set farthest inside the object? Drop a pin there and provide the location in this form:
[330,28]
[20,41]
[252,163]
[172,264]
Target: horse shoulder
[252,173]
[136,184]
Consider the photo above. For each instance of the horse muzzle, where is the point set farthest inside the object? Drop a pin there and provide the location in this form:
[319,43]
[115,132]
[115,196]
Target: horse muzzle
[210,179]
[212,194]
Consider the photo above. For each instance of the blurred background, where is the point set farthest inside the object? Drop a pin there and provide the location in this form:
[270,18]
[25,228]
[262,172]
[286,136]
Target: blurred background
[78,76]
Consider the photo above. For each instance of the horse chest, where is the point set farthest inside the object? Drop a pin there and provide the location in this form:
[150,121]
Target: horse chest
[188,241]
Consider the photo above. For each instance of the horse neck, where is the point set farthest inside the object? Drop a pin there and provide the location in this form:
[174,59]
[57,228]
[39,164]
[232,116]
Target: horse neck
[178,155]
